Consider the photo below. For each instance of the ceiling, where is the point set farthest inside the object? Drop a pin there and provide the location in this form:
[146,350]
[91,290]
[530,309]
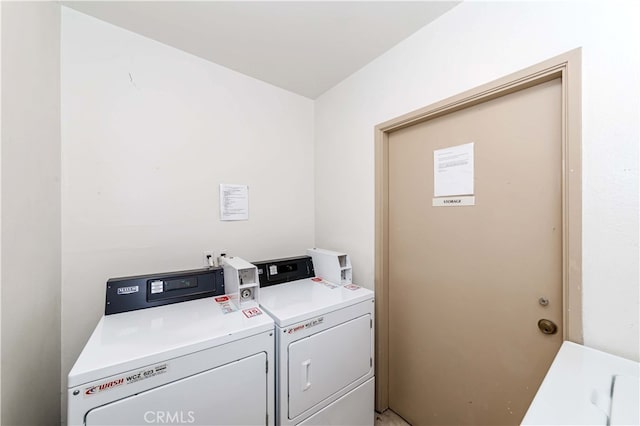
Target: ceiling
[306,47]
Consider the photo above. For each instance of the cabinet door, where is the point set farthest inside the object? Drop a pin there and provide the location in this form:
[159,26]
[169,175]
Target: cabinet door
[324,363]
[232,394]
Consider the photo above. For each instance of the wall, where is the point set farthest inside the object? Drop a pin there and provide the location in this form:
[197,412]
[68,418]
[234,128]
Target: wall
[148,134]
[472,44]
[30,261]
[0,214]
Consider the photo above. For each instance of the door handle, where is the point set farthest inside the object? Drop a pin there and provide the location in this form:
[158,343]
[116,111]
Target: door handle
[547,326]
[306,374]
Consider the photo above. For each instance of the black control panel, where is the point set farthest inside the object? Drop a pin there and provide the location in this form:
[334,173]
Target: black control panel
[147,291]
[280,271]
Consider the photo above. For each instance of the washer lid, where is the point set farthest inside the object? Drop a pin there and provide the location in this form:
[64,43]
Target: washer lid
[131,340]
[295,301]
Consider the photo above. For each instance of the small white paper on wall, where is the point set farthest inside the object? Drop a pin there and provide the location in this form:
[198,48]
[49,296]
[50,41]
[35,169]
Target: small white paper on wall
[234,202]
[453,171]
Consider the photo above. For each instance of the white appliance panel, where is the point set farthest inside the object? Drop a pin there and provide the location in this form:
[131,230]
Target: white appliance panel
[207,398]
[625,402]
[324,363]
[82,399]
[577,390]
[131,340]
[354,409]
[295,301]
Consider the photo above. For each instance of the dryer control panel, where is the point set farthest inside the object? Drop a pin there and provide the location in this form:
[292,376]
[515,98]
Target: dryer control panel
[280,271]
[147,291]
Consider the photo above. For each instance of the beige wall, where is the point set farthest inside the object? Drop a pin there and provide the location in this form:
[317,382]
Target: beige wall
[0,215]
[148,134]
[472,44]
[30,258]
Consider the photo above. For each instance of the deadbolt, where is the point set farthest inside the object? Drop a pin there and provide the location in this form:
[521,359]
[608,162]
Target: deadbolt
[543,301]
[547,326]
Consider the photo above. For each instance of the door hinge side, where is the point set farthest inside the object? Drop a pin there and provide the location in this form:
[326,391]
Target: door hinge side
[371,323]
[370,362]
[266,367]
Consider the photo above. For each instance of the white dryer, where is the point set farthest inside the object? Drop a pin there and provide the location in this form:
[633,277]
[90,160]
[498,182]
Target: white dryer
[199,362]
[324,345]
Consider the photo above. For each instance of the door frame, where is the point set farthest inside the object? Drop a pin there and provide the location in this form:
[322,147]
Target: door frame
[567,67]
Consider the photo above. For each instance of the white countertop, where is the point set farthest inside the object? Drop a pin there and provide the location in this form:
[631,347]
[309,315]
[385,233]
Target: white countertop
[577,390]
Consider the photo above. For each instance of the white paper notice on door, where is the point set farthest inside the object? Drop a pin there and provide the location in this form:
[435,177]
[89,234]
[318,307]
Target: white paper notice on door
[234,202]
[453,171]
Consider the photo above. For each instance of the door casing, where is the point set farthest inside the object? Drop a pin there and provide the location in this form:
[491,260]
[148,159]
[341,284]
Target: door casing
[567,67]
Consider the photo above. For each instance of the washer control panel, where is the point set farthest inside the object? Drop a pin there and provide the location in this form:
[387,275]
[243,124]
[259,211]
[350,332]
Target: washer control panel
[147,291]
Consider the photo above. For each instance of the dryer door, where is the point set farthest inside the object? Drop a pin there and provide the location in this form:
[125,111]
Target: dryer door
[324,363]
[232,394]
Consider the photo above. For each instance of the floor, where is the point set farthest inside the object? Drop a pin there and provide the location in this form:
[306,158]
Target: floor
[389,418]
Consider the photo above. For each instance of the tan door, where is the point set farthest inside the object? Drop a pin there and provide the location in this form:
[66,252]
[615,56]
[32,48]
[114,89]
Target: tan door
[465,282]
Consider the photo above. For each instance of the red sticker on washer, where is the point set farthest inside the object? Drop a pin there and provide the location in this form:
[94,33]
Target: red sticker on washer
[316,279]
[128,379]
[221,299]
[110,384]
[251,312]
[312,323]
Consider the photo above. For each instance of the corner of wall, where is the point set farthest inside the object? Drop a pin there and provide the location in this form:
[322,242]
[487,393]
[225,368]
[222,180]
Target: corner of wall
[0,210]
[30,212]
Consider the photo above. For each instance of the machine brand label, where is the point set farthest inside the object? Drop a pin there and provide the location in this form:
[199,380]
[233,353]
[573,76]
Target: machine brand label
[352,287]
[306,325]
[128,290]
[128,379]
[92,390]
[147,373]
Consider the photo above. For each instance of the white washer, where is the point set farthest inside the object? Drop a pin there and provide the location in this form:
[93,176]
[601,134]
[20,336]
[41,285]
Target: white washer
[324,345]
[196,362]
